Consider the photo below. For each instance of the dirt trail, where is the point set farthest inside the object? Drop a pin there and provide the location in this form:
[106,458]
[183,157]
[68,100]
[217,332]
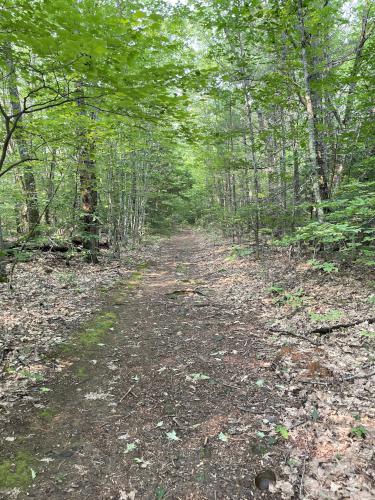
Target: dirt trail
[175,401]
[136,414]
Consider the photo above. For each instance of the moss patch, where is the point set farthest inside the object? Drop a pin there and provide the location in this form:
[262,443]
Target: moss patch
[17,472]
[97,329]
[47,414]
[134,280]
[124,288]
[143,265]
[82,373]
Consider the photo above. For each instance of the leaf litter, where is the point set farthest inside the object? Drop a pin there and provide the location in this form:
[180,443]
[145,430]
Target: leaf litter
[300,406]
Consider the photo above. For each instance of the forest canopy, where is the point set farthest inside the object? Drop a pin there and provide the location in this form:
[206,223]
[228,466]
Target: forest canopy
[119,119]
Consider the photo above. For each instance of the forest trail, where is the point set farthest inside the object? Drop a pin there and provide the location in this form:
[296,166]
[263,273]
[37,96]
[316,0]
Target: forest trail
[182,392]
[137,414]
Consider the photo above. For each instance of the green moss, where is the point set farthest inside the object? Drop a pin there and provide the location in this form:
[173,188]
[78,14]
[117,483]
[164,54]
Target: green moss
[97,329]
[64,348]
[134,279]
[47,414]
[143,265]
[16,472]
[82,373]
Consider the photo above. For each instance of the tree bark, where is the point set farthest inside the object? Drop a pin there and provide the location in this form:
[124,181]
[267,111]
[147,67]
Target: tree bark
[88,189]
[3,273]
[29,183]
[311,118]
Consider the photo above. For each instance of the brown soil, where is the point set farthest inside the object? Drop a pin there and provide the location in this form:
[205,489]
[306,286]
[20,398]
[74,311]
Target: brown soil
[180,401]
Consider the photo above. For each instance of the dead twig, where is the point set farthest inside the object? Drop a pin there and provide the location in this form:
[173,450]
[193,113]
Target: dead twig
[127,393]
[178,423]
[302,477]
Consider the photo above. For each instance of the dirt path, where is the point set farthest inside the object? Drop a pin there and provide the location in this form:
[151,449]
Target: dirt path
[172,397]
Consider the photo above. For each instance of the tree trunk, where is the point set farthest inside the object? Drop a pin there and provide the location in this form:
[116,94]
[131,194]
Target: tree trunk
[89,198]
[29,183]
[50,188]
[88,190]
[3,273]
[254,160]
[296,186]
[311,118]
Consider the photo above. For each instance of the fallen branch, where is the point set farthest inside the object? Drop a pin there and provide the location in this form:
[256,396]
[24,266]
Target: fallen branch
[322,330]
[328,329]
[292,334]
[186,291]
[338,380]
[302,477]
[354,377]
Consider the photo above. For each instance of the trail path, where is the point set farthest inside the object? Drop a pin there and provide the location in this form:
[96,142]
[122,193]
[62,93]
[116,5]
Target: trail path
[171,403]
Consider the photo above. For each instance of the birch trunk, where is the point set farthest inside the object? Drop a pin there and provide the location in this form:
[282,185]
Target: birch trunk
[310,116]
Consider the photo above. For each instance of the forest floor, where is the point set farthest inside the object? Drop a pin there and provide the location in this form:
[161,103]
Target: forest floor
[179,383]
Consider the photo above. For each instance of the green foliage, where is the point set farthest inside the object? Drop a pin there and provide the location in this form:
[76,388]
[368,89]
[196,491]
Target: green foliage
[314,415]
[238,252]
[358,431]
[160,492]
[67,278]
[34,376]
[293,299]
[332,315]
[158,106]
[275,289]
[327,267]
[283,431]
[223,437]
[195,377]
[348,223]
[367,334]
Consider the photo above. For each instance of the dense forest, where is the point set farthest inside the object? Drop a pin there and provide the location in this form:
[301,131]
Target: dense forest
[187,249]
[124,118]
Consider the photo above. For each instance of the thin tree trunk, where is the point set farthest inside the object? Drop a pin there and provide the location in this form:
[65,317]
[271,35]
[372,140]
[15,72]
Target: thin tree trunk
[296,186]
[50,188]
[310,116]
[88,189]
[3,273]
[29,183]
[254,160]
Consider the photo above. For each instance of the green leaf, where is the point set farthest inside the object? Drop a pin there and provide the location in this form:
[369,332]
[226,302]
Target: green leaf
[359,431]
[223,437]
[130,447]
[314,415]
[194,377]
[172,436]
[283,431]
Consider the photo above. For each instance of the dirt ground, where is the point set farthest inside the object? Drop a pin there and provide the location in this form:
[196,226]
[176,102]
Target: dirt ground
[199,375]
